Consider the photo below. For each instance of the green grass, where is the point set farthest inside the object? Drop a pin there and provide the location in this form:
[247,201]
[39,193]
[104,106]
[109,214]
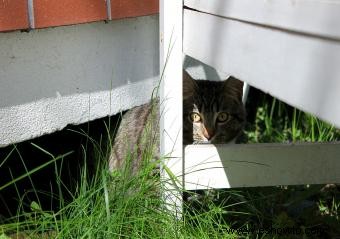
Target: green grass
[125,205]
[278,122]
[111,205]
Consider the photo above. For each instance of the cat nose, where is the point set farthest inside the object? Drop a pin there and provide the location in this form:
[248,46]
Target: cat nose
[208,133]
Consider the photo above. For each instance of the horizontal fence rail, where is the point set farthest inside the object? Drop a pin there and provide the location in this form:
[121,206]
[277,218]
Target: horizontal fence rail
[320,18]
[230,166]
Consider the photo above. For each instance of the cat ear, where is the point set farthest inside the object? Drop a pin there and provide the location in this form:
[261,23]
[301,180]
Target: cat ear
[234,86]
[189,85]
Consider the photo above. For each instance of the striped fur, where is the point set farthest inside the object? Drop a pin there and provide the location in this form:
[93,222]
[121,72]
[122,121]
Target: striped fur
[208,99]
[139,132]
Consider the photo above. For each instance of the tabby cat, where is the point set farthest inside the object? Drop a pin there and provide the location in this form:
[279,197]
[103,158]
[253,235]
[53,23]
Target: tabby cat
[213,112]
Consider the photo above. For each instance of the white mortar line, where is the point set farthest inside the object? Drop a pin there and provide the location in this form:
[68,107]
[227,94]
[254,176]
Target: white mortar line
[30,9]
[108,9]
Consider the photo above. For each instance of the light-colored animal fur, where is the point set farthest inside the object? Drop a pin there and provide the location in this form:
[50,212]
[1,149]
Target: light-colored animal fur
[138,134]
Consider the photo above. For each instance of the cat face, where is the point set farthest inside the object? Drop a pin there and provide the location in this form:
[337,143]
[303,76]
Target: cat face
[212,110]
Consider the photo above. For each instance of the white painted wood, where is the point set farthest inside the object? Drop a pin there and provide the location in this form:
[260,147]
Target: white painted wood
[53,77]
[320,17]
[302,71]
[171,101]
[226,166]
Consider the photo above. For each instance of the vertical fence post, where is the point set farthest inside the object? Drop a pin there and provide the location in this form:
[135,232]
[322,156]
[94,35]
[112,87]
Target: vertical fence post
[171,58]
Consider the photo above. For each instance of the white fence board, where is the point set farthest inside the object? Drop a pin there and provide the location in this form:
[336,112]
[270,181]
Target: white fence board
[308,16]
[226,166]
[302,71]
[171,58]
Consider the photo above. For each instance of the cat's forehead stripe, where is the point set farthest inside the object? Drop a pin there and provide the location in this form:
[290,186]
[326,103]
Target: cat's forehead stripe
[211,96]
[209,104]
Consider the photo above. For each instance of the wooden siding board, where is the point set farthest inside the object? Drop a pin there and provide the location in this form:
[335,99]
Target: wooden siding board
[313,17]
[299,70]
[230,166]
[171,63]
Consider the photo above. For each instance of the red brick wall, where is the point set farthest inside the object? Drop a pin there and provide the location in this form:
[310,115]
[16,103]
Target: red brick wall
[25,14]
[13,15]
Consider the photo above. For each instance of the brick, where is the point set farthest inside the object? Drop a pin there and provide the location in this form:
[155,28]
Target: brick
[13,15]
[65,12]
[133,8]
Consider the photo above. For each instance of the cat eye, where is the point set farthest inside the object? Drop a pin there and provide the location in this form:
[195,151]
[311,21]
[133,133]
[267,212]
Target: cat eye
[222,117]
[195,117]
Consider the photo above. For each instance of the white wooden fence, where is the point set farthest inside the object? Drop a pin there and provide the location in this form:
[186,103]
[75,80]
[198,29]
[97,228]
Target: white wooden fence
[289,49]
